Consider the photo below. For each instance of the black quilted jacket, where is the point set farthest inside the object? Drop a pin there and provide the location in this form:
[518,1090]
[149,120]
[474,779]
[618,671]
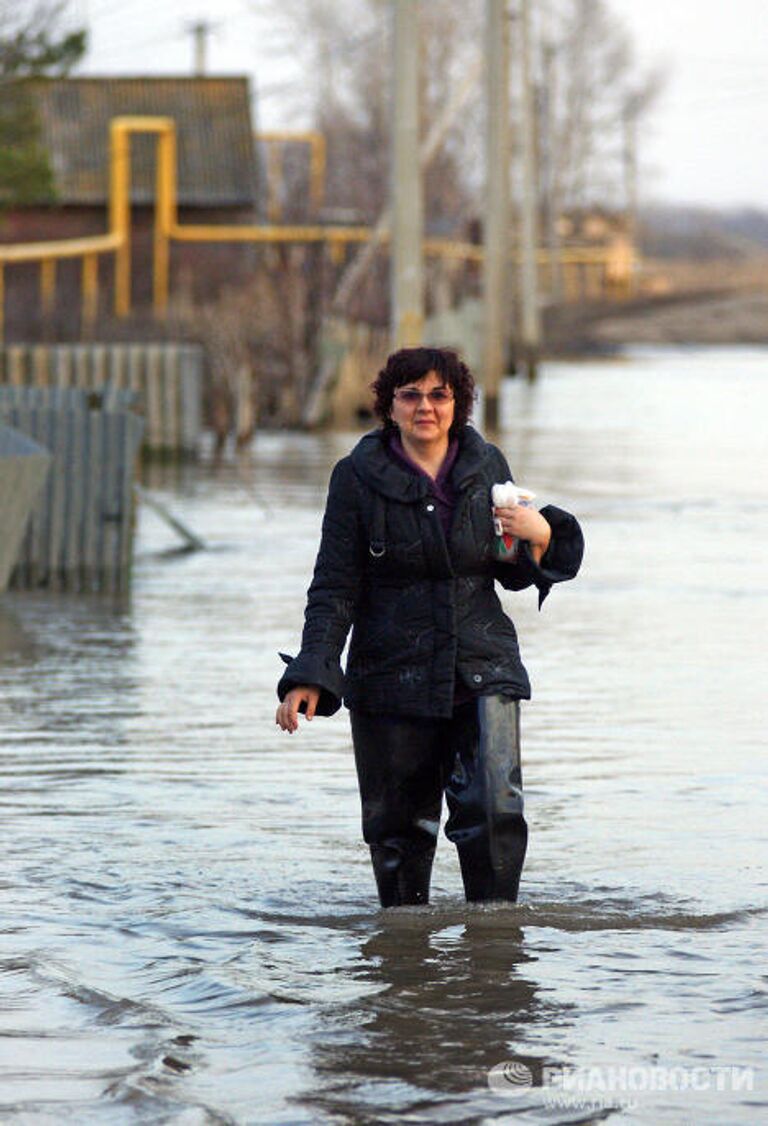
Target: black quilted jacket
[420,608]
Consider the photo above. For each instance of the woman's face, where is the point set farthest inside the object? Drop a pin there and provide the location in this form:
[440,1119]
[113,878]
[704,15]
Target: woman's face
[425,421]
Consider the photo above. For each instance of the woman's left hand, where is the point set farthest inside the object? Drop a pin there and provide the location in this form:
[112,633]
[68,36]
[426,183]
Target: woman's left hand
[528,524]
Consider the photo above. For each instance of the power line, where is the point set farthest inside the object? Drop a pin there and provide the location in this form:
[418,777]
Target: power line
[159,39]
[717,97]
[108,10]
[122,29]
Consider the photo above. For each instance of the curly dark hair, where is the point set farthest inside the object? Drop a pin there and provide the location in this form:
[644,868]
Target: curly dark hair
[409,365]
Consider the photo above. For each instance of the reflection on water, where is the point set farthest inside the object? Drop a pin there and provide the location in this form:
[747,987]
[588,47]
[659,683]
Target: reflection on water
[445,996]
[188,930]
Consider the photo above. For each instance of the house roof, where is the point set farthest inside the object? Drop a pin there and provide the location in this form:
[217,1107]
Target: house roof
[214,132]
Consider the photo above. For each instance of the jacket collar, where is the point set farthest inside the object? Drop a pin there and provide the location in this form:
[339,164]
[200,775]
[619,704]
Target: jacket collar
[473,451]
[374,465]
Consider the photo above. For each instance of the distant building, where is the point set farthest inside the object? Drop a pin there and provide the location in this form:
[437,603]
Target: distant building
[591,226]
[217,183]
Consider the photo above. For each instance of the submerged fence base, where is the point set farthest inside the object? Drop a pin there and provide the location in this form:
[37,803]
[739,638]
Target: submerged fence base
[80,534]
[23,466]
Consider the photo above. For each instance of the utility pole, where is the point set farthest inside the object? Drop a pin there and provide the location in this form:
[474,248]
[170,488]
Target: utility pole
[496,219]
[530,327]
[360,263]
[548,133]
[406,269]
[629,121]
[200,32]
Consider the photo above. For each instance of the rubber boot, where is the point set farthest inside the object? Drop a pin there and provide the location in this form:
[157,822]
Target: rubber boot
[400,780]
[485,800]
[401,879]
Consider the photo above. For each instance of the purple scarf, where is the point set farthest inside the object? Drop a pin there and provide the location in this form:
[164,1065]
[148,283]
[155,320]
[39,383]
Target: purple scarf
[441,486]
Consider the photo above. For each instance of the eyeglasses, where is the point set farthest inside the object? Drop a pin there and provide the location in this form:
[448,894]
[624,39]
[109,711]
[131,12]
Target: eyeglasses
[410,397]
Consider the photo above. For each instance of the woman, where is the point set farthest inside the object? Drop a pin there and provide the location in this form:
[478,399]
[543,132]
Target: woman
[434,676]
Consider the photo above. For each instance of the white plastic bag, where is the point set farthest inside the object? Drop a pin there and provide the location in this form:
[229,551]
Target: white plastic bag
[505,495]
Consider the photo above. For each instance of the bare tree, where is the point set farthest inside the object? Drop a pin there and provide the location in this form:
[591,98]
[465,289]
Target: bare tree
[343,51]
[585,55]
[587,67]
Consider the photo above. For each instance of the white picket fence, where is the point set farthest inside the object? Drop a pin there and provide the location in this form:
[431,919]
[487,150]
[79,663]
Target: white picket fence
[80,533]
[166,381]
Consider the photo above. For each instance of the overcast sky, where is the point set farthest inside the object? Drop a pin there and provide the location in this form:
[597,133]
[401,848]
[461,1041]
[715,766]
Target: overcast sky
[707,141]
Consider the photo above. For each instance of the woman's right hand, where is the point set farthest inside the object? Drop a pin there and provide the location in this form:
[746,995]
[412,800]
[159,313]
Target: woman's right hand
[287,716]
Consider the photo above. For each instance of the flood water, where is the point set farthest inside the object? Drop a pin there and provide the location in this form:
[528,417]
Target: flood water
[188,926]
